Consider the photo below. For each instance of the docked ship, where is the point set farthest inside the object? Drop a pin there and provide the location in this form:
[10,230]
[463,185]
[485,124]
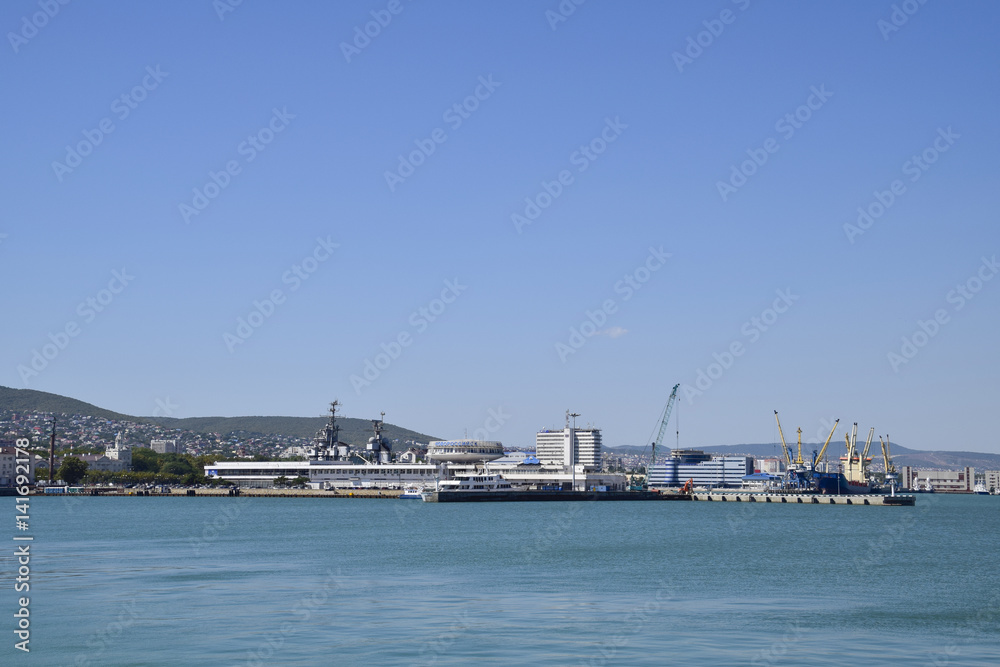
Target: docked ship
[838,483]
[334,464]
[475,483]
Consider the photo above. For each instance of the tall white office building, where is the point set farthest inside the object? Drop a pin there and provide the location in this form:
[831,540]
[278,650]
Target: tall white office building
[569,447]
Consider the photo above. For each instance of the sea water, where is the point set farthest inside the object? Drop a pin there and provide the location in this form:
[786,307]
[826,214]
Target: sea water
[311,581]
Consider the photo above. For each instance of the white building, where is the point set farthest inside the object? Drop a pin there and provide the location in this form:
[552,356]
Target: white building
[99,462]
[8,466]
[120,452]
[942,481]
[326,474]
[992,480]
[706,470]
[570,447]
[165,446]
[464,451]
[771,465]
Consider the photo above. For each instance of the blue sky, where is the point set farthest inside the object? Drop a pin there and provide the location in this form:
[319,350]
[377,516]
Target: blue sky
[645,128]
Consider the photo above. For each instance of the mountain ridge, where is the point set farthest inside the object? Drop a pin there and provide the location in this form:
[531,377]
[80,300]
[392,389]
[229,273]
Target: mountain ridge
[353,430]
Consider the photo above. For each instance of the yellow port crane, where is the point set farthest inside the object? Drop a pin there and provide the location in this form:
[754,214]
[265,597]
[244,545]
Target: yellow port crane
[819,456]
[784,447]
[889,468]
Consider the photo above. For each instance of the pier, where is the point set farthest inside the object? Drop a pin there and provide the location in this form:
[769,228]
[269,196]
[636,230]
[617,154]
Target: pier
[806,499]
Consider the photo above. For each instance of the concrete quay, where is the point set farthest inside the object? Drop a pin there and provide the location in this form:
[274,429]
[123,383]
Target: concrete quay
[805,498]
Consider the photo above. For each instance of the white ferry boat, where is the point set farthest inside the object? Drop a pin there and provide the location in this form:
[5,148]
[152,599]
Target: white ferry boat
[475,483]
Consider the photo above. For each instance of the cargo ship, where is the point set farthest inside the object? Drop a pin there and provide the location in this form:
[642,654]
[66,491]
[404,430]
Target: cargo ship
[837,483]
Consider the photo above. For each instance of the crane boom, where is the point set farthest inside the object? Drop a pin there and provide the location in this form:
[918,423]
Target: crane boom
[889,468]
[784,447]
[663,425]
[868,444]
[823,451]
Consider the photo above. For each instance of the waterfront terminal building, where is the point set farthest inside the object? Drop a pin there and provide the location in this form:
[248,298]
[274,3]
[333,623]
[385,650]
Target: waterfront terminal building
[940,481]
[567,460]
[706,470]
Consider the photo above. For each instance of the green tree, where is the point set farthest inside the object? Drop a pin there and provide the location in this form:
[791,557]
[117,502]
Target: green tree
[145,460]
[298,481]
[280,481]
[72,470]
[177,467]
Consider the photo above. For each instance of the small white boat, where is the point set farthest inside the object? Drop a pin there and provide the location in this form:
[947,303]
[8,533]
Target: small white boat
[981,489]
[411,492]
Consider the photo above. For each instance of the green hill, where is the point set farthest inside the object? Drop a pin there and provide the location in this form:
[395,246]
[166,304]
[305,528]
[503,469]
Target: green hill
[353,431]
[29,400]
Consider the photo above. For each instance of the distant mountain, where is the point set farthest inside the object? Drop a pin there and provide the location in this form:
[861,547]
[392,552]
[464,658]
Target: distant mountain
[901,456]
[29,400]
[353,431]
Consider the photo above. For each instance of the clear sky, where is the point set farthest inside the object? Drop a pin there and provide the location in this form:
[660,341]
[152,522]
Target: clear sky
[459,188]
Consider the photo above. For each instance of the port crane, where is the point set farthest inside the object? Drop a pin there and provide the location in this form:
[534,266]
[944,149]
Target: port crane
[798,467]
[663,426]
[817,457]
[659,437]
[855,464]
[890,469]
[798,463]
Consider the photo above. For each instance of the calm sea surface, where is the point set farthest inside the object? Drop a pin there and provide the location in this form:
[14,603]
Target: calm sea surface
[249,581]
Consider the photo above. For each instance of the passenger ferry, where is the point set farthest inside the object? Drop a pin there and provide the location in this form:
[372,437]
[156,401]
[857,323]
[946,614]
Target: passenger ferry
[475,483]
